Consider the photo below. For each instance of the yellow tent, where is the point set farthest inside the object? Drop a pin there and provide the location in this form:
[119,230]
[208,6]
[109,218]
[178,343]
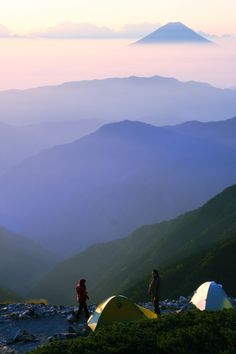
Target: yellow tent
[118,309]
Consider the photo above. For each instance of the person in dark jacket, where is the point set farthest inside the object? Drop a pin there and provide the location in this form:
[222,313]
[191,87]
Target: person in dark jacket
[154,290]
[82,297]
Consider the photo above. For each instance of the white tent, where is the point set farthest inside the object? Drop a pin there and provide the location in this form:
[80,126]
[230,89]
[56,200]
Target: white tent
[210,296]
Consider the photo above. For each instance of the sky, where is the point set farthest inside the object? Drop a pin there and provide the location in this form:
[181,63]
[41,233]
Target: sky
[40,41]
[26,16]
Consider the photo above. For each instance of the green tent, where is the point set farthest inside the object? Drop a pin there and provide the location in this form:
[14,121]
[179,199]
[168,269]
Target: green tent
[118,309]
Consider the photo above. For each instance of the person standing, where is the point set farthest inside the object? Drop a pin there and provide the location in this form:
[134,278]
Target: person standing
[154,290]
[82,297]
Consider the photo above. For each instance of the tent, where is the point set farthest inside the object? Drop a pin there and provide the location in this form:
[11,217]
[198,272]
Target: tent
[118,309]
[210,296]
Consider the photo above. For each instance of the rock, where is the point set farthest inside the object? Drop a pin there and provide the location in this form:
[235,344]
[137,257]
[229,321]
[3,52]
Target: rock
[6,350]
[24,315]
[22,336]
[84,332]
[14,315]
[65,313]
[72,318]
[183,300]
[187,307]
[92,308]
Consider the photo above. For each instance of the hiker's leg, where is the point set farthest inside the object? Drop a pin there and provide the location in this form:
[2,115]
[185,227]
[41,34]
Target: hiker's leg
[156,305]
[86,311]
[80,309]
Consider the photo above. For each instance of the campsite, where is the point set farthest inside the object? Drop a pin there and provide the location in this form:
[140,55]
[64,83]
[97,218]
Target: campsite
[119,323]
[200,300]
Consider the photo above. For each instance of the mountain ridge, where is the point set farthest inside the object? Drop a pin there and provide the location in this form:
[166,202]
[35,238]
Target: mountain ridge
[22,261]
[114,267]
[182,277]
[127,163]
[134,98]
[21,142]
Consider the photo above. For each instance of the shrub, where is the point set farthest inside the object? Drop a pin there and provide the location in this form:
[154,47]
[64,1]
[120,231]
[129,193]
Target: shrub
[191,332]
[37,302]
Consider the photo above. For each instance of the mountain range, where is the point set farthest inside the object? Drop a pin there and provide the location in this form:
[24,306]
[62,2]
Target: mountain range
[222,132]
[184,276]
[156,100]
[127,174]
[22,262]
[173,32]
[194,247]
[20,142]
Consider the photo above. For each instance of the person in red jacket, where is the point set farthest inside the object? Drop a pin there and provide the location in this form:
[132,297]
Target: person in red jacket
[82,297]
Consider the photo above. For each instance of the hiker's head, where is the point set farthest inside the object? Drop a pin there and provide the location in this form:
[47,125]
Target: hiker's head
[82,282]
[155,273]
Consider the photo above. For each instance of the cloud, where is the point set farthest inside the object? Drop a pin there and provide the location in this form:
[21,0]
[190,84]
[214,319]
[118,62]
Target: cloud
[4,32]
[215,36]
[139,29]
[86,30]
[75,30]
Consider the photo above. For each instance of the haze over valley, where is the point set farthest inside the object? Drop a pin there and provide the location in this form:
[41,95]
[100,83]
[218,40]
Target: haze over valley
[148,99]
[122,176]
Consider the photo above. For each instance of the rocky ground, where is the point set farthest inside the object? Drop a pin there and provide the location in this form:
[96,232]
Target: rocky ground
[23,327]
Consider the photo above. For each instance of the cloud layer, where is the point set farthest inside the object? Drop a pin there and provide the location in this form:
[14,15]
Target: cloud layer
[73,30]
[4,31]
[87,30]
[215,36]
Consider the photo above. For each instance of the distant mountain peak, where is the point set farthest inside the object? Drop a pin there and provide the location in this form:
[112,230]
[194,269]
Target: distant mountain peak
[128,129]
[173,32]
[175,25]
